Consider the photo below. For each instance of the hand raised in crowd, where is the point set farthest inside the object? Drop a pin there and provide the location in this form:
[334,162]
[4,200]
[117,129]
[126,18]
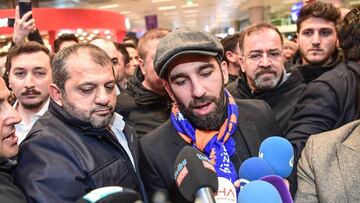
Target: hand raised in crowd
[23,26]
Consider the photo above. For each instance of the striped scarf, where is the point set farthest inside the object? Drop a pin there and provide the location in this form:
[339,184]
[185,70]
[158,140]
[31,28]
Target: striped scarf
[218,146]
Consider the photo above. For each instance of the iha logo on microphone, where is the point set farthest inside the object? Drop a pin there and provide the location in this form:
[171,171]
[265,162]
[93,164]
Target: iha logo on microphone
[181,172]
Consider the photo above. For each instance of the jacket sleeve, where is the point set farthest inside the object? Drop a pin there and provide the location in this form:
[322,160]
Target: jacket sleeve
[48,171]
[317,111]
[306,178]
[151,178]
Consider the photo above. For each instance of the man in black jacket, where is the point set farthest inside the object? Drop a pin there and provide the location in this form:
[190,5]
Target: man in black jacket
[79,144]
[8,147]
[333,99]
[263,73]
[316,27]
[204,114]
[232,55]
[144,103]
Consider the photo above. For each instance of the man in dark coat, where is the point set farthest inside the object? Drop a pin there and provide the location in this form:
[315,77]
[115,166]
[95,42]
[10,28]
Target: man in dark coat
[144,103]
[8,147]
[204,115]
[263,72]
[80,144]
[333,99]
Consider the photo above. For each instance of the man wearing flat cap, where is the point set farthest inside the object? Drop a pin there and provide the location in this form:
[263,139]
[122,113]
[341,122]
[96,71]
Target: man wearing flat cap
[204,114]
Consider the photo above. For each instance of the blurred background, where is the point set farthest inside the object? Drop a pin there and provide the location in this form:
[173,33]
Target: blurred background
[220,17]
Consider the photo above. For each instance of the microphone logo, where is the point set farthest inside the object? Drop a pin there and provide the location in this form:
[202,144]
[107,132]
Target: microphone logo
[291,162]
[261,155]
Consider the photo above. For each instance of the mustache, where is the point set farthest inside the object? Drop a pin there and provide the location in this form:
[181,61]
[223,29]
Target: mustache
[205,99]
[106,107]
[30,91]
[263,71]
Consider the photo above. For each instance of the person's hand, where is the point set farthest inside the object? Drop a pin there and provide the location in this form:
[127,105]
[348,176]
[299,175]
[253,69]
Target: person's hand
[22,26]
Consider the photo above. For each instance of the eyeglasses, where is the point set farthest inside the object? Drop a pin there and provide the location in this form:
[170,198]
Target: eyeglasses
[272,55]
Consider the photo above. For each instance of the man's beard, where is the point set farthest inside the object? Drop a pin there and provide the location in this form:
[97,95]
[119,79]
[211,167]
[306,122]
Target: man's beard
[85,115]
[268,83]
[211,121]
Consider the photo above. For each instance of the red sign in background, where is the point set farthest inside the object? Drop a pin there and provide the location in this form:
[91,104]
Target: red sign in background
[52,20]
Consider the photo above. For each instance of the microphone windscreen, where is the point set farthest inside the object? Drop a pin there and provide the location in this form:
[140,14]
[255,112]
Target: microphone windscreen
[281,187]
[193,171]
[260,192]
[279,153]
[111,194]
[226,192]
[254,168]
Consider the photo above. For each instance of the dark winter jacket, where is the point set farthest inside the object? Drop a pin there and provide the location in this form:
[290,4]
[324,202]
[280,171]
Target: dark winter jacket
[64,158]
[9,193]
[141,108]
[281,99]
[330,101]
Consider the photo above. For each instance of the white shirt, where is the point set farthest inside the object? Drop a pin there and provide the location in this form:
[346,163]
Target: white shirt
[22,128]
[117,125]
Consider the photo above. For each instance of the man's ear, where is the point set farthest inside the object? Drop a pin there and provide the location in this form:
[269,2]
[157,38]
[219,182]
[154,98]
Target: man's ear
[168,90]
[224,71]
[231,56]
[55,94]
[242,63]
[142,66]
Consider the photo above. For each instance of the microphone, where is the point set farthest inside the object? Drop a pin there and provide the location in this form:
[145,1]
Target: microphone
[226,192]
[195,176]
[111,194]
[252,169]
[281,187]
[279,153]
[260,192]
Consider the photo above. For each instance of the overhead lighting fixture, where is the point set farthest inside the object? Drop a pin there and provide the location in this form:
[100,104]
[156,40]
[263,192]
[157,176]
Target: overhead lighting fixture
[159,1]
[109,6]
[189,5]
[164,8]
[191,11]
[171,14]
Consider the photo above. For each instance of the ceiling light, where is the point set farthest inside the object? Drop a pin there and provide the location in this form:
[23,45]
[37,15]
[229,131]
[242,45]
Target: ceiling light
[164,8]
[189,5]
[192,11]
[159,1]
[109,6]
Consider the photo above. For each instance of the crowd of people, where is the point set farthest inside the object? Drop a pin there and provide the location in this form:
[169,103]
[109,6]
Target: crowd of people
[97,114]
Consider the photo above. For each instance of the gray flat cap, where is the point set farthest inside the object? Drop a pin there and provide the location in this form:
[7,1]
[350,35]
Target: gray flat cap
[185,41]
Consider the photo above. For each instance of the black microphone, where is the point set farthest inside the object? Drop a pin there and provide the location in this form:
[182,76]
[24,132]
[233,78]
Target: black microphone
[195,176]
[111,194]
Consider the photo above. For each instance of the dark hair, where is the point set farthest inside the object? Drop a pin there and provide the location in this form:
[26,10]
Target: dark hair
[150,35]
[348,32]
[131,38]
[121,48]
[259,26]
[321,10]
[3,53]
[60,73]
[64,38]
[230,43]
[25,48]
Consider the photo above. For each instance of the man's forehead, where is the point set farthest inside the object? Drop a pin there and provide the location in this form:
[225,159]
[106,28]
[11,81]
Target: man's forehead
[195,61]
[316,24]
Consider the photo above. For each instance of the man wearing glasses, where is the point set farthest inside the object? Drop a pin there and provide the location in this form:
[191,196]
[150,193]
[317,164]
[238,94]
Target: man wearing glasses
[263,72]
